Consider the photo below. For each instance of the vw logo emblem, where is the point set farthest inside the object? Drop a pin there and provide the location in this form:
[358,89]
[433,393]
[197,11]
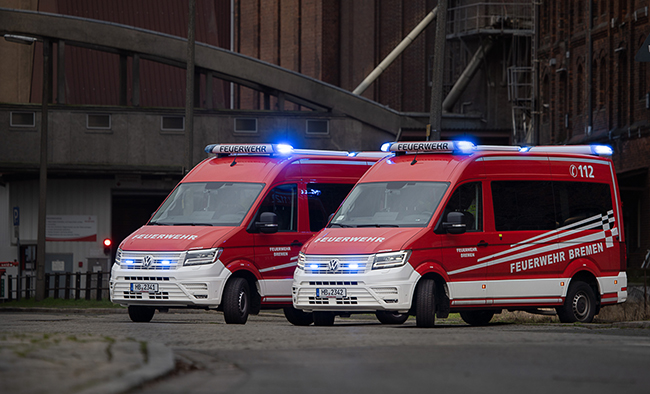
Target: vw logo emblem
[333,264]
[147,261]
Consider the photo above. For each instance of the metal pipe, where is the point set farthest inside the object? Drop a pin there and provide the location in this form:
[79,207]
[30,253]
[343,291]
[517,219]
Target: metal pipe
[395,52]
[467,75]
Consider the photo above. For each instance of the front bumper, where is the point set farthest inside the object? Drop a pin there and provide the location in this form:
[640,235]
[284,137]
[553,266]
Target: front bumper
[199,286]
[385,289]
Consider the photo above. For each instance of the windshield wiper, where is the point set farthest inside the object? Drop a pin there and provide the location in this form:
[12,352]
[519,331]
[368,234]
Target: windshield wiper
[192,224]
[159,224]
[377,225]
[341,225]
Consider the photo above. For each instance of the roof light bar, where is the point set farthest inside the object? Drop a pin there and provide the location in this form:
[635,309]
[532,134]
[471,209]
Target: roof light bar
[268,149]
[598,150]
[430,146]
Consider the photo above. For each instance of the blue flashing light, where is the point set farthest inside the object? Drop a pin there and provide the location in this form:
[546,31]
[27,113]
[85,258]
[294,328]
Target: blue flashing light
[165,262]
[353,154]
[313,266]
[354,266]
[524,149]
[313,192]
[209,148]
[128,262]
[465,146]
[284,149]
[386,146]
[602,150]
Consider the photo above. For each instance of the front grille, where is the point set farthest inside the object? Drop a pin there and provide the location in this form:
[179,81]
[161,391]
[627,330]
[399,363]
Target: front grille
[131,260]
[349,264]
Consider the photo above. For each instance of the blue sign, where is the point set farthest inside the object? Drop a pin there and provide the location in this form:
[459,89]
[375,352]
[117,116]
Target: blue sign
[16,216]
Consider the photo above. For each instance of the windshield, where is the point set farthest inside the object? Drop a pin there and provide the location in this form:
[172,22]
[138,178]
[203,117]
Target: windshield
[207,204]
[390,204]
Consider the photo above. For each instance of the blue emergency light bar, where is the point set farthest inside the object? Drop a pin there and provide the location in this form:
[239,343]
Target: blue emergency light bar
[244,149]
[429,146]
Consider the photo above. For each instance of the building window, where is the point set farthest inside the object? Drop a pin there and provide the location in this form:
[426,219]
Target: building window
[22,119]
[98,122]
[172,123]
[319,127]
[245,125]
[603,82]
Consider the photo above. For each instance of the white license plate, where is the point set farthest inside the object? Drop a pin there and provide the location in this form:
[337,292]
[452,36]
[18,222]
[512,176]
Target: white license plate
[331,292]
[144,287]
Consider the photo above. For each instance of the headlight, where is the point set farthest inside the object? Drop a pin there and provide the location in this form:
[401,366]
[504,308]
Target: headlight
[391,259]
[301,261]
[203,256]
[118,257]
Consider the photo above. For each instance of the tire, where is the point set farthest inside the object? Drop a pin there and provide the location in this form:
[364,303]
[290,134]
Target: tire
[323,318]
[579,305]
[425,308]
[236,301]
[141,314]
[477,318]
[298,317]
[388,317]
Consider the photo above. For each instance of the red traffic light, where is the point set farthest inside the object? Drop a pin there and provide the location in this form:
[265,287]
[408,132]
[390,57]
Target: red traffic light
[107,246]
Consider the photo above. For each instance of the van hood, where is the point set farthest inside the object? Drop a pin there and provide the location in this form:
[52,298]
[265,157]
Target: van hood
[175,238]
[359,240]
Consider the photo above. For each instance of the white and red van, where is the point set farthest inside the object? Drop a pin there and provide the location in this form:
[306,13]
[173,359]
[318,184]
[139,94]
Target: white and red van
[228,235]
[448,226]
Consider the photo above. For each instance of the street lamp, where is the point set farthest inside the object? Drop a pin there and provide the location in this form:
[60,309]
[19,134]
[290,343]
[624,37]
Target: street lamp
[42,200]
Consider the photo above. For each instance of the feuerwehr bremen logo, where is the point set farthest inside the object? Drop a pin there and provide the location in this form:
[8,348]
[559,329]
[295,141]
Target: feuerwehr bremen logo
[333,264]
[147,261]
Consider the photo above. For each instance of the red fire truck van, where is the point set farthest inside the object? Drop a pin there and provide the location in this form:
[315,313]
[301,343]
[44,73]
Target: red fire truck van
[448,226]
[228,235]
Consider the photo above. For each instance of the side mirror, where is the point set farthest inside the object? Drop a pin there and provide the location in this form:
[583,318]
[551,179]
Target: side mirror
[454,223]
[268,223]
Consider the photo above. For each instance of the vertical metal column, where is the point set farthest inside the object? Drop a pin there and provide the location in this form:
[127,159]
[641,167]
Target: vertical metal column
[435,117]
[189,88]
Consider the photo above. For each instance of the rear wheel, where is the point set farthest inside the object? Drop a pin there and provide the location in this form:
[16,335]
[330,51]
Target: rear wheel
[388,317]
[323,318]
[298,317]
[477,318]
[579,305]
[425,309]
[141,314]
[236,301]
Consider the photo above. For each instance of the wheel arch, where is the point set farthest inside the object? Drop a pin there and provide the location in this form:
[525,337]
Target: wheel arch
[441,296]
[252,276]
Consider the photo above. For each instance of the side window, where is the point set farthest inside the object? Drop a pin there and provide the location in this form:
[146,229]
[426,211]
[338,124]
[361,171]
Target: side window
[324,199]
[523,205]
[467,198]
[576,201]
[283,201]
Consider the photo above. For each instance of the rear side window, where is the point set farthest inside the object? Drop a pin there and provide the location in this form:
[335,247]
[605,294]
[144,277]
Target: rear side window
[546,205]
[324,199]
[578,201]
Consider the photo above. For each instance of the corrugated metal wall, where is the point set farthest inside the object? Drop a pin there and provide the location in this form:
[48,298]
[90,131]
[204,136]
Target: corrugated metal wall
[92,77]
[65,197]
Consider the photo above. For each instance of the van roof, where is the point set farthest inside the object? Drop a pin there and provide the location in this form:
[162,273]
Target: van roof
[265,162]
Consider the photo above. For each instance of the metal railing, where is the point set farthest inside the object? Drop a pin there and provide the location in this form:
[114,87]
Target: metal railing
[88,286]
[490,17]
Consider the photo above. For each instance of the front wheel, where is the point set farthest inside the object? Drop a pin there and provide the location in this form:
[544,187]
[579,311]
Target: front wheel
[579,305]
[425,308]
[388,317]
[477,318]
[298,317]
[236,301]
[141,314]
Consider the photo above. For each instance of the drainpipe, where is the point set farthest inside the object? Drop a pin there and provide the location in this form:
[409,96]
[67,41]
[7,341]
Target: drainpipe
[395,52]
[467,75]
[590,70]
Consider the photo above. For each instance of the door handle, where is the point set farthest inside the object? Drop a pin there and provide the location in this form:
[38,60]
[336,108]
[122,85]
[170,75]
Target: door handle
[296,243]
[482,244]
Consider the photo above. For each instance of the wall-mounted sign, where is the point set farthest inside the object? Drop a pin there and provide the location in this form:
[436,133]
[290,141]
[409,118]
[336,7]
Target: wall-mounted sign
[71,228]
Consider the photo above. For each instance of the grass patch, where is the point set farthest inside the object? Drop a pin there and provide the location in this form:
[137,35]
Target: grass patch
[58,303]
